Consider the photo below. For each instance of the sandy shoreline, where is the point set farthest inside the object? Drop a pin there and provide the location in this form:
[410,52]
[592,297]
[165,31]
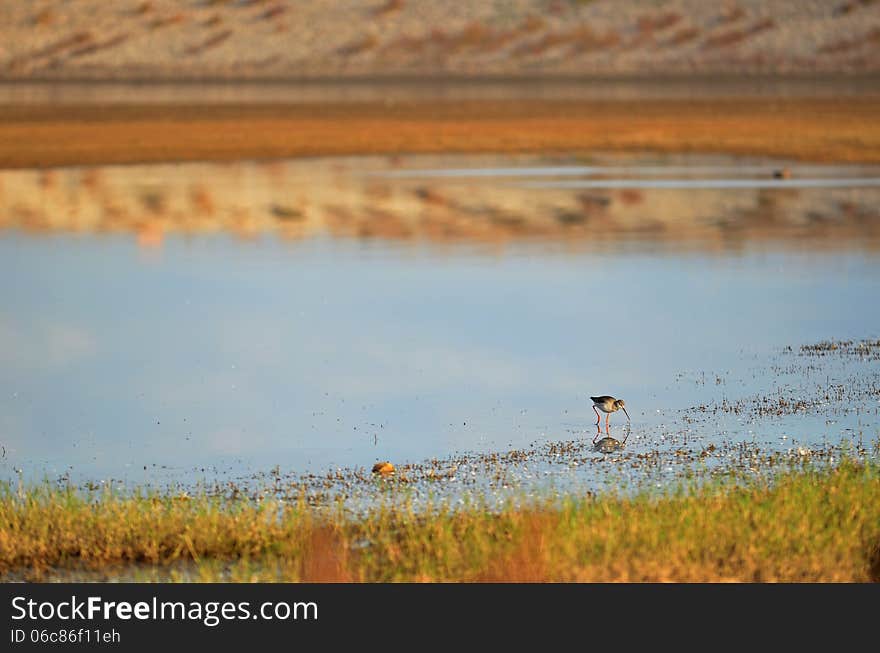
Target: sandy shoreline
[817,129]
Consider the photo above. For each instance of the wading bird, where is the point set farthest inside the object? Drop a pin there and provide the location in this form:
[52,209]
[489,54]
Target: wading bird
[607,405]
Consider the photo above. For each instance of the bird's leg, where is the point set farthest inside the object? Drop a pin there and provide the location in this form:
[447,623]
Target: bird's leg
[607,415]
[598,433]
[598,416]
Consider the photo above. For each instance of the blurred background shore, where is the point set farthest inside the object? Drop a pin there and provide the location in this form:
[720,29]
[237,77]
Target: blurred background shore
[320,39]
[140,81]
[247,84]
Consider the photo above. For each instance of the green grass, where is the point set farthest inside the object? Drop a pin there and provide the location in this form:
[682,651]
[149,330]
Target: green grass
[804,525]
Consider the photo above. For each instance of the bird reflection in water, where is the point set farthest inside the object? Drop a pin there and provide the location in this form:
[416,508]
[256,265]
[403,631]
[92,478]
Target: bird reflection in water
[609,444]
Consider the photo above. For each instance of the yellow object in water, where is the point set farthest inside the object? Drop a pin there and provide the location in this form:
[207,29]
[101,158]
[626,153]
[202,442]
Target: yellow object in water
[384,468]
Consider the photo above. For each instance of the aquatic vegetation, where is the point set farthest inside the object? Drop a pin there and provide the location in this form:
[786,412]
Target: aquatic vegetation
[805,524]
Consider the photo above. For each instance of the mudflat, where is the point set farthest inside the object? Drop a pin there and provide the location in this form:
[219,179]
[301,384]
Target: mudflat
[819,129]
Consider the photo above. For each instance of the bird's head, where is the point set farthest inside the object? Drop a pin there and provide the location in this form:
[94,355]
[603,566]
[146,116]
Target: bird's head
[619,403]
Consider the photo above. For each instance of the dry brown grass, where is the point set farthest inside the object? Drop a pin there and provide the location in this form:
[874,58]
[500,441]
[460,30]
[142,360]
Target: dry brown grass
[44,18]
[731,15]
[737,36]
[328,559]
[359,46]
[143,8]
[684,35]
[168,21]
[210,42]
[273,12]
[824,129]
[390,7]
[818,129]
[848,44]
[91,48]
[657,22]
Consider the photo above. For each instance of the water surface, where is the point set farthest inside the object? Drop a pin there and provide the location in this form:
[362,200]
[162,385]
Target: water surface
[142,340]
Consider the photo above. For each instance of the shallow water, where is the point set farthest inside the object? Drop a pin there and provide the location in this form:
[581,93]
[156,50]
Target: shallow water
[201,356]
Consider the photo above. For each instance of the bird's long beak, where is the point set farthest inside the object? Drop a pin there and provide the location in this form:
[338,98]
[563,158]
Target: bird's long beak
[627,414]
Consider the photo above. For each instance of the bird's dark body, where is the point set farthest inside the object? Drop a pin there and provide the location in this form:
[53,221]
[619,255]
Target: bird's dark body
[607,404]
